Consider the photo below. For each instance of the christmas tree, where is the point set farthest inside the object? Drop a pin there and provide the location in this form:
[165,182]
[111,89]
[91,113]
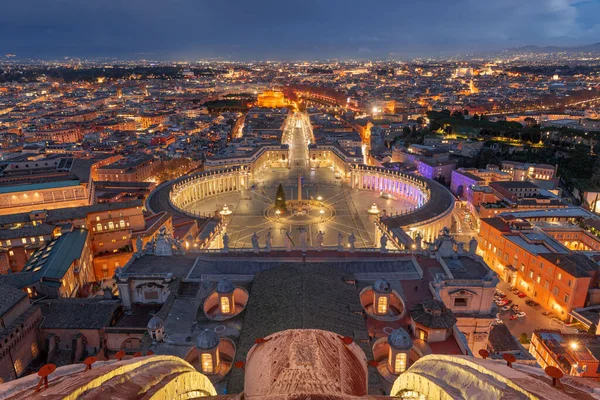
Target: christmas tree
[280,199]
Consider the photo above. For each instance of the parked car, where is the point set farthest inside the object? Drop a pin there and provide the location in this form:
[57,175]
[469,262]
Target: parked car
[505,308]
[513,317]
[521,295]
[520,314]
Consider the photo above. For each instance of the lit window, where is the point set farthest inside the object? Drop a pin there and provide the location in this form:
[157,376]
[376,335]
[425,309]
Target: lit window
[207,366]
[400,364]
[97,218]
[225,308]
[24,240]
[539,278]
[8,243]
[122,224]
[382,305]
[559,276]
[11,253]
[41,238]
[34,350]
[32,240]
[111,225]
[18,367]
[99,227]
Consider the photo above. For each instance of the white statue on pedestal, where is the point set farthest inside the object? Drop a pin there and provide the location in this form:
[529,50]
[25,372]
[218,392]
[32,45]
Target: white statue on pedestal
[473,246]
[139,247]
[320,237]
[351,241]
[268,242]
[255,246]
[418,241]
[225,243]
[303,239]
[383,241]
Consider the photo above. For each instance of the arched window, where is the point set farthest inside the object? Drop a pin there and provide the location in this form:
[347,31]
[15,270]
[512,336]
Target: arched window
[382,305]
[98,227]
[207,366]
[122,223]
[225,308]
[400,363]
[111,225]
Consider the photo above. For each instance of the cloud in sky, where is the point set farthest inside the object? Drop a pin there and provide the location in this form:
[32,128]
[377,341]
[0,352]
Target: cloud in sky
[309,29]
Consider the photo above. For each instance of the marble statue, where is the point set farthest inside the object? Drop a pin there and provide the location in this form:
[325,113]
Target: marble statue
[351,241]
[473,246]
[340,238]
[139,247]
[149,248]
[255,246]
[163,246]
[383,241]
[419,241]
[288,242]
[225,243]
[303,239]
[320,237]
[269,241]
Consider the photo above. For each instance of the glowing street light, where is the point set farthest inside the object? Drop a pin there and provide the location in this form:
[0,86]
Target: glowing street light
[574,345]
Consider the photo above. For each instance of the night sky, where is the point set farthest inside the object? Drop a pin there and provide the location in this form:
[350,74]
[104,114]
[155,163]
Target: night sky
[288,30]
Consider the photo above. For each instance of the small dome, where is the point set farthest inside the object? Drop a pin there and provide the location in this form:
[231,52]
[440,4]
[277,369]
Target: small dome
[382,286]
[400,340]
[225,286]
[155,323]
[207,340]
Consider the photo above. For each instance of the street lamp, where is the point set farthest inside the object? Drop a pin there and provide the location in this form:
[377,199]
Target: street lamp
[574,345]
[278,213]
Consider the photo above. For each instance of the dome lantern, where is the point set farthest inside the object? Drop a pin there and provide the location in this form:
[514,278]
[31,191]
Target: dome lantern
[400,344]
[207,344]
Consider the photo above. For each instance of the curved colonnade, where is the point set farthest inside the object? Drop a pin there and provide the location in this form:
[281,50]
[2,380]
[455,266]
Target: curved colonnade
[432,210]
[433,202]
[205,184]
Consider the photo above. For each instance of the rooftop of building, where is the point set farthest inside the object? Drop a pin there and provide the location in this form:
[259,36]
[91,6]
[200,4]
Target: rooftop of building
[10,297]
[311,296]
[465,267]
[51,262]
[67,214]
[66,313]
[575,264]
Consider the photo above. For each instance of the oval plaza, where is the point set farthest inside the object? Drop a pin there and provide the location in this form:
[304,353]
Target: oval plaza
[331,198]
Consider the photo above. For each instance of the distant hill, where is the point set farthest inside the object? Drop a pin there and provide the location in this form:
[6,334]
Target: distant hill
[589,48]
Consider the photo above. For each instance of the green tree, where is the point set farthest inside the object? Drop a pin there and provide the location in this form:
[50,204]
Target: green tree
[280,199]
[523,338]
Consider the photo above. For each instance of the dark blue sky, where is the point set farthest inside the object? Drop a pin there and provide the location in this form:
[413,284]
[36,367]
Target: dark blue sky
[288,30]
